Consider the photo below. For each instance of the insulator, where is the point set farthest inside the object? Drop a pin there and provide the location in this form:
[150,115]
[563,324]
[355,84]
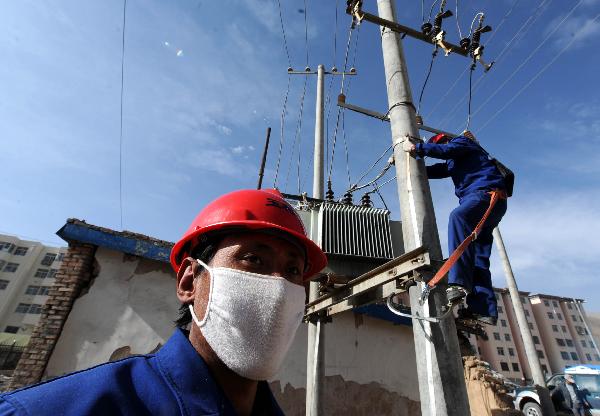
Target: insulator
[307,69]
[474,46]
[419,119]
[341,98]
[426,28]
[352,70]
[365,200]
[464,43]
[290,69]
[334,69]
[329,193]
[347,200]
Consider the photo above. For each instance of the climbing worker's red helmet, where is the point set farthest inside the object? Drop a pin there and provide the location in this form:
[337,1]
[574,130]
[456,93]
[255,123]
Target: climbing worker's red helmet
[439,139]
[250,210]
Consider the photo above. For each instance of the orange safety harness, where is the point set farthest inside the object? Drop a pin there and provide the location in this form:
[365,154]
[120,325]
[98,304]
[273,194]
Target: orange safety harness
[496,195]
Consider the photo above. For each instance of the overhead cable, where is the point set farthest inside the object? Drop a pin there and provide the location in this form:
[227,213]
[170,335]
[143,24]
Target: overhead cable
[121,116]
[285,46]
[512,75]
[541,71]
[281,137]
[298,131]
[306,30]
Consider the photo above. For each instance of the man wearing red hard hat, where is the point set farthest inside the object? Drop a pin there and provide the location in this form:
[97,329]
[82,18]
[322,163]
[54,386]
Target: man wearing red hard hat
[241,269]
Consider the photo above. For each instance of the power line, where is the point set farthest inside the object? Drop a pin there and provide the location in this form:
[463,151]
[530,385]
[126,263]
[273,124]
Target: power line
[285,46]
[121,117]
[529,57]
[433,55]
[281,137]
[539,73]
[306,30]
[298,132]
[526,26]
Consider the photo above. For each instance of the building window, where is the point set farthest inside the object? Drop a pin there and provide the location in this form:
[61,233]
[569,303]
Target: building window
[32,290]
[589,357]
[11,267]
[530,325]
[554,304]
[60,257]
[6,246]
[536,340]
[574,318]
[41,273]
[523,300]
[546,303]
[597,357]
[44,290]
[504,366]
[564,355]
[559,316]
[11,329]
[479,350]
[511,352]
[497,296]
[569,306]
[574,356]
[500,310]
[503,322]
[555,328]
[35,309]
[2,263]
[51,273]
[544,368]
[550,315]
[526,313]
[569,342]
[21,251]
[560,342]
[540,354]
[3,284]
[500,350]
[515,366]
[48,259]
[583,344]
[506,337]
[22,308]
[564,328]
[497,336]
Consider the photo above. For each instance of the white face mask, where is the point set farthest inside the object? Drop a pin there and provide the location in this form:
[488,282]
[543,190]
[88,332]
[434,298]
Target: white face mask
[250,320]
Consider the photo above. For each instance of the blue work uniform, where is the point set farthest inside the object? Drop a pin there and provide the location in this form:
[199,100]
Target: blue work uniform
[174,381]
[474,176]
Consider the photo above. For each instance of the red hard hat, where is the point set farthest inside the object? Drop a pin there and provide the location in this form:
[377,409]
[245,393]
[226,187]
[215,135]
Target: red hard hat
[439,139]
[252,210]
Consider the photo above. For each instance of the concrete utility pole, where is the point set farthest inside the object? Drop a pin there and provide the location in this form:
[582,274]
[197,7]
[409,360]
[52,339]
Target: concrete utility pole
[439,364]
[530,351]
[315,353]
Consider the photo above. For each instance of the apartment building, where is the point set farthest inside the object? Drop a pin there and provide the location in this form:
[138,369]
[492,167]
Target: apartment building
[559,332]
[563,330]
[27,270]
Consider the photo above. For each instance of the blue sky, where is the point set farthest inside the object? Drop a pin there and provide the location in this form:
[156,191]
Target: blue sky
[203,80]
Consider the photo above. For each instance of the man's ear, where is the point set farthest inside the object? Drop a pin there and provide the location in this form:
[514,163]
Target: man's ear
[186,285]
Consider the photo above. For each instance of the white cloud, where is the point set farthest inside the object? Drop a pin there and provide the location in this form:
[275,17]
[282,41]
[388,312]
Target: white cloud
[578,29]
[237,150]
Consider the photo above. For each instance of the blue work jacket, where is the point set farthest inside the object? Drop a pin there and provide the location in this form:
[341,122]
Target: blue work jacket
[466,163]
[174,381]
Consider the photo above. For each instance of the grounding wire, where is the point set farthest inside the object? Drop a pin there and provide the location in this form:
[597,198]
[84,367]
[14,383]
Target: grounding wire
[470,98]
[540,45]
[431,10]
[433,55]
[539,73]
[489,41]
[528,24]
[374,164]
[473,22]
[121,116]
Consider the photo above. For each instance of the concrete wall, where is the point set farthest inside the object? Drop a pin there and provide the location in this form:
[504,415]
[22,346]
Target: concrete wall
[130,306]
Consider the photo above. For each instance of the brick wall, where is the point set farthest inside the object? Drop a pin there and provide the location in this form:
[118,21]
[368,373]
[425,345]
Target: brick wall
[74,274]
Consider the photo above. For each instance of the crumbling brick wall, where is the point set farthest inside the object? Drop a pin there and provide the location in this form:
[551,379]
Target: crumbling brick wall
[74,275]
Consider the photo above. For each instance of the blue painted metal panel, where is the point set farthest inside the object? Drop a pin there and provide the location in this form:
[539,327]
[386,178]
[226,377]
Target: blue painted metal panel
[125,244]
[382,312]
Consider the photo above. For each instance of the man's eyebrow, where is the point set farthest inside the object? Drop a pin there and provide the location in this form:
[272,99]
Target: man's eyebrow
[292,253]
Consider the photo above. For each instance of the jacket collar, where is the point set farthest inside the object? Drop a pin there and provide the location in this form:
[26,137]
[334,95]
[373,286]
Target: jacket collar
[189,377]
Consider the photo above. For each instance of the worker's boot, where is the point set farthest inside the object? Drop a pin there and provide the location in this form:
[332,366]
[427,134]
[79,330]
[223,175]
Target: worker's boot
[455,295]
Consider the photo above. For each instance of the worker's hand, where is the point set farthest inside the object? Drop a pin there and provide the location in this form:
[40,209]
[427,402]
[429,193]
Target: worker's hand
[409,147]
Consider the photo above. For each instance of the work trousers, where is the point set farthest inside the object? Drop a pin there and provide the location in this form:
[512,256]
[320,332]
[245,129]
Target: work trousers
[578,409]
[472,270]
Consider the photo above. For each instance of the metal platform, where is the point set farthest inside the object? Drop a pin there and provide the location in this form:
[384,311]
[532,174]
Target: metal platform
[388,279]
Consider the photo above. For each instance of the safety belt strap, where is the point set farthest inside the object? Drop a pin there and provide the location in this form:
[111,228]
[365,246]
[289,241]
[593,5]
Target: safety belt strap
[496,194]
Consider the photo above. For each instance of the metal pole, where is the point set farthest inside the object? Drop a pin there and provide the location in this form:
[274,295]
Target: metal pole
[315,352]
[587,328]
[439,365]
[261,171]
[530,351]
